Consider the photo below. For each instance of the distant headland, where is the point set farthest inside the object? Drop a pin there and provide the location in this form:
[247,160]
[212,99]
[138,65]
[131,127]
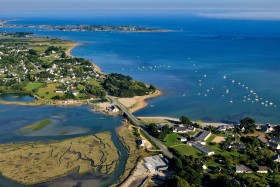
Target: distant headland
[82,28]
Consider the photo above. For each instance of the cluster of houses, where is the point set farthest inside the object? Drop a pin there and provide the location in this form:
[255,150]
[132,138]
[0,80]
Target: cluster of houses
[261,169]
[56,73]
[198,141]
[182,129]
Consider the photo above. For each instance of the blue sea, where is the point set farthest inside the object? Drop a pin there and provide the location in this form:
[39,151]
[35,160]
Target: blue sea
[208,69]
[215,70]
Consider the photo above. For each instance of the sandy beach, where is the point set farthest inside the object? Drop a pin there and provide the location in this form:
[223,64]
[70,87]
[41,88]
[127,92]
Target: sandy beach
[138,102]
[68,51]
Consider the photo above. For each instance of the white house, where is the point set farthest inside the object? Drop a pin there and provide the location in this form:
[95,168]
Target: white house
[274,145]
[183,128]
[112,108]
[183,139]
[276,158]
[263,169]
[242,169]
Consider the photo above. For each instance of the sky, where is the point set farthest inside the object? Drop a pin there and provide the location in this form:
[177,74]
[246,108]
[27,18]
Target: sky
[130,5]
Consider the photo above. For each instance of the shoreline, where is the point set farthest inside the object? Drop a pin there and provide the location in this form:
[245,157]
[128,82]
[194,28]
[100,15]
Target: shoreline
[69,50]
[201,123]
[136,103]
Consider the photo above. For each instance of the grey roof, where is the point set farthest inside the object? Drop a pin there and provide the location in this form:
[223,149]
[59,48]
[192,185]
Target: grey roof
[202,135]
[276,157]
[184,128]
[274,145]
[242,168]
[202,148]
[263,168]
[181,128]
[275,139]
[264,129]
[262,139]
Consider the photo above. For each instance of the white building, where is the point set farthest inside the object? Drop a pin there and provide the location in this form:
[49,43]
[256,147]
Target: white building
[155,163]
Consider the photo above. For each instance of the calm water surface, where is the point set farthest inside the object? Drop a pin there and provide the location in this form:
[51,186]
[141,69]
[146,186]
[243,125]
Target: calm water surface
[214,70]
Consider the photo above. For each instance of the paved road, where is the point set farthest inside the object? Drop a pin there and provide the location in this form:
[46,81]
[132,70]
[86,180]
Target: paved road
[135,121]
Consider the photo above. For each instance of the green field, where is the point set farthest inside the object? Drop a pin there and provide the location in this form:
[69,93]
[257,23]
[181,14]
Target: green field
[172,139]
[33,85]
[187,150]
[49,91]
[211,138]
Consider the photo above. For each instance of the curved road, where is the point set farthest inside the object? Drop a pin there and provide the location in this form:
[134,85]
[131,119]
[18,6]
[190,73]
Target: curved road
[135,121]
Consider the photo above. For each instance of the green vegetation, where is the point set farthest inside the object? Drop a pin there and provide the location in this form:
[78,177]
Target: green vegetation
[37,126]
[186,120]
[144,134]
[172,139]
[186,150]
[249,124]
[193,168]
[123,86]
[159,132]
[34,162]
[128,135]
[32,65]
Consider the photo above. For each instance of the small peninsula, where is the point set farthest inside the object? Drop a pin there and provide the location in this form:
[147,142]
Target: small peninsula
[43,68]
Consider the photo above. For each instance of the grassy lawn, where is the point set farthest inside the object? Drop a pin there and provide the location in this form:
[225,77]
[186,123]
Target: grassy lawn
[49,59]
[187,150]
[82,96]
[194,132]
[93,82]
[216,148]
[212,163]
[33,85]
[147,121]
[211,138]
[80,87]
[172,139]
[49,91]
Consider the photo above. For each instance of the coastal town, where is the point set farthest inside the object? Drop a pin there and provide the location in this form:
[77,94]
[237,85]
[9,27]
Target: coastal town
[81,28]
[42,68]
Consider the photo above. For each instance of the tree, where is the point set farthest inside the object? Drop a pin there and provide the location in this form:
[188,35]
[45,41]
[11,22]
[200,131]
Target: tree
[63,55]
[186,120]
[32,52]
[249,124]
[221,181]
[177,181]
